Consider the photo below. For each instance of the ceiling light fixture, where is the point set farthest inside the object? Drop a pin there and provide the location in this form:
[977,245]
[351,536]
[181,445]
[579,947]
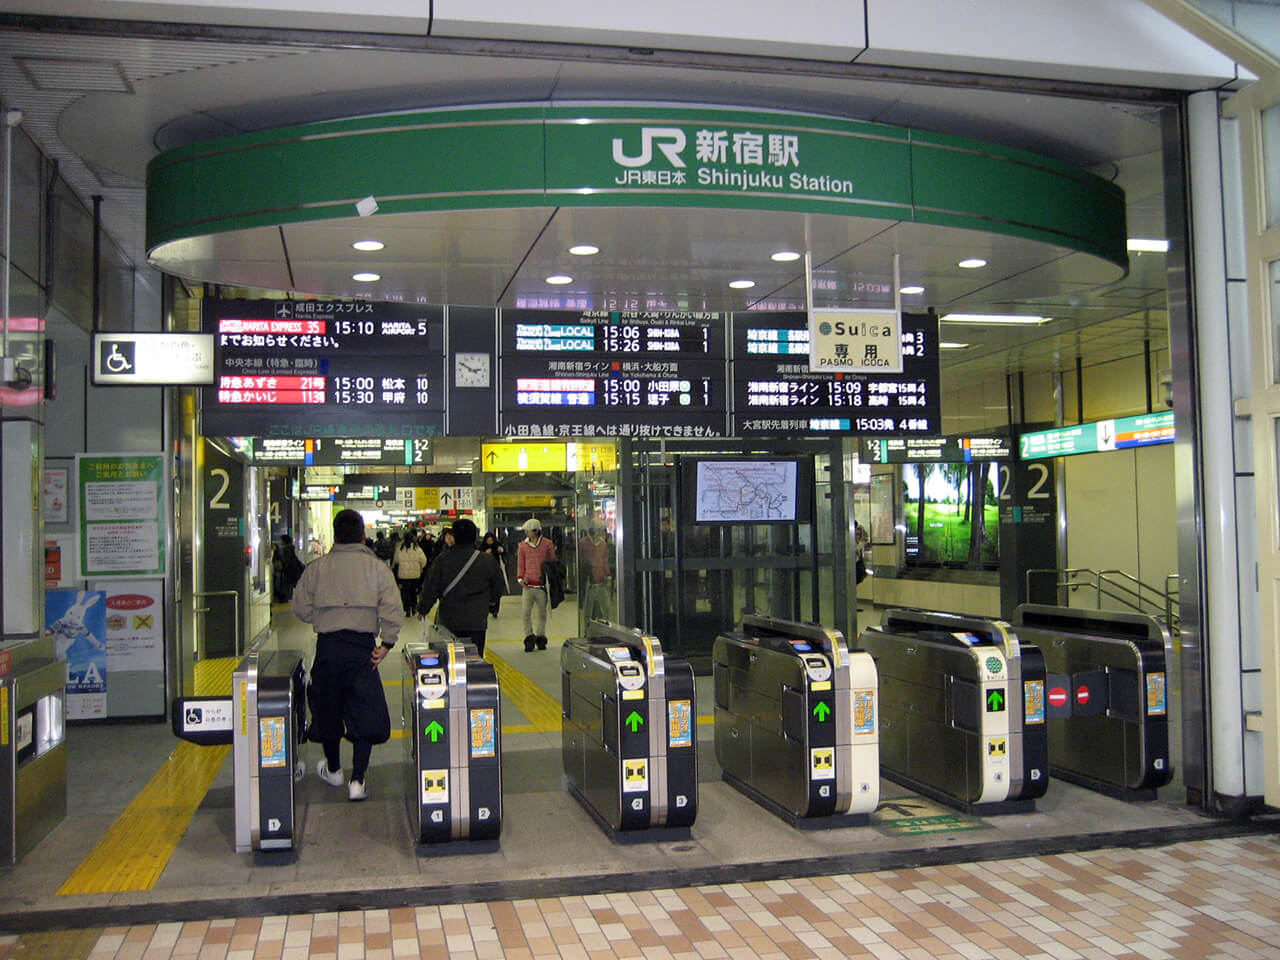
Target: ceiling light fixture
[945,345]
[973,263]
[742,284]
[911,291]
[995,319]
[368,246]
[1139,245]
[559,279]
[584,250]
[366,277]
[785,256]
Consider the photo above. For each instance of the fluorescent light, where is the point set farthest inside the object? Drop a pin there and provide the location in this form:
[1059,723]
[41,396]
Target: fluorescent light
[995,319]
[366,277]
[742,284]
[973,263]
[785,256]
[945,345]
[560,279]
[911,291]
[584,250]
[1139,245]
[368,246]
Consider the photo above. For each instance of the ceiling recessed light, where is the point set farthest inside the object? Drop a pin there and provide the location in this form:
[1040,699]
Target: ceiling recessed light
[973,263]
[584,250]
[785,256]
[560,279]
[368,246]
[1139,245]
[1007,319]
[366,277]
[911,291]
[946,345]
[742,284]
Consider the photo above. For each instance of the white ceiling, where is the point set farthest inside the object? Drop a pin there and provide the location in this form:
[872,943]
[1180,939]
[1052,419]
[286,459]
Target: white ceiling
[104,105]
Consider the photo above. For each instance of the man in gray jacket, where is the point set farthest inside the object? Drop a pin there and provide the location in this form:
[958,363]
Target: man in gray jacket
[467,582]
[350,597]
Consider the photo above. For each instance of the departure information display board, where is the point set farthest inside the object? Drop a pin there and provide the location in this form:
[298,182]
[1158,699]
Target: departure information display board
[309,368]
[600,373]
[340,451]
[776,394]
[936,449]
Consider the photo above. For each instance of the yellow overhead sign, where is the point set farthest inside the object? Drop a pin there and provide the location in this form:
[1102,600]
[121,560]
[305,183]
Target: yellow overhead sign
[593,457]
[509,500]
[531,457]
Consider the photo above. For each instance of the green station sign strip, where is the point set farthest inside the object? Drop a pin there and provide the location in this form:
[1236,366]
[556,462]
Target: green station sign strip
[1119,434]
[600,154]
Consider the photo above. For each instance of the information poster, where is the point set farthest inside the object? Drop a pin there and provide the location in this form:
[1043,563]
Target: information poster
[882,508]
[135,625]
[60,567]
[77,622]
[121,515]
[55,494]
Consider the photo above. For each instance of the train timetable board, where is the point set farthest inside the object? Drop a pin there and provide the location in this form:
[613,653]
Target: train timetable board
[312,452]
[600,373]
[776,394]
[332,368]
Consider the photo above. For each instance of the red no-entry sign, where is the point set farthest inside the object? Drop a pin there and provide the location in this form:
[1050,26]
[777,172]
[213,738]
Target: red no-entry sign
[1057,697]
[1082,695]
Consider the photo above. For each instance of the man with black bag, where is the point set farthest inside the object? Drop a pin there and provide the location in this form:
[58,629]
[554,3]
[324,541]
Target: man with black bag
[466,582]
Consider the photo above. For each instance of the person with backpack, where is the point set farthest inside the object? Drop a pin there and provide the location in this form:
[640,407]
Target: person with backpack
[466,582]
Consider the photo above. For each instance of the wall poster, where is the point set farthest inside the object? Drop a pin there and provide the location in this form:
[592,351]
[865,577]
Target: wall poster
[882,530]
[77,622]
[122,511]
[55,494]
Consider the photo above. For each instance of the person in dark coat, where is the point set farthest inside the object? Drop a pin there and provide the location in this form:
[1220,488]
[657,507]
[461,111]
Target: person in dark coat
[291,566]
[465,581]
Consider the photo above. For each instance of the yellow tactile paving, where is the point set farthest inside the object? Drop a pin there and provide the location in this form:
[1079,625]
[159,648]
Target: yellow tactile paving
[213,677]
[539,707]
[134,852]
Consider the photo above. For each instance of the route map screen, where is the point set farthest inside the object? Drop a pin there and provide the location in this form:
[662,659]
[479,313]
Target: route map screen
[747,490]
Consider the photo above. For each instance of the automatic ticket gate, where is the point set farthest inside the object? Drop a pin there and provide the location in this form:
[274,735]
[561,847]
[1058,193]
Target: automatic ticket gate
[265,721]
[796,721]
[1106,697]
[629,740]
[451,711]
[961,710]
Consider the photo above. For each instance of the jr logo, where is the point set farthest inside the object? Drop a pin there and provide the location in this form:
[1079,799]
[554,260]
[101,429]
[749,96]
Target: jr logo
[670,140]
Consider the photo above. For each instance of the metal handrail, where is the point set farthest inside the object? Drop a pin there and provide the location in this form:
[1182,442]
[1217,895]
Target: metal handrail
[235,605]
[1110,584]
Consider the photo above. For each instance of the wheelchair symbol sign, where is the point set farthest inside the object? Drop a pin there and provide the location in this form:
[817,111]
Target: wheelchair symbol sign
[117,357]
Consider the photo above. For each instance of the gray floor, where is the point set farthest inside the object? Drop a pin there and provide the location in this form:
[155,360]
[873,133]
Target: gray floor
[350,849]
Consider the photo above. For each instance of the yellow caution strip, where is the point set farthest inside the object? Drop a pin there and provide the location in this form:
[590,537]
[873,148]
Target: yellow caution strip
[137,848]
[213,677]
[538,706]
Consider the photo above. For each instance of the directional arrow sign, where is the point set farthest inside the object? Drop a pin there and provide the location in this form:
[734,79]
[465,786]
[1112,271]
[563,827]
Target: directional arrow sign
[434,730]
[822,711]
[634,721]
[995,701]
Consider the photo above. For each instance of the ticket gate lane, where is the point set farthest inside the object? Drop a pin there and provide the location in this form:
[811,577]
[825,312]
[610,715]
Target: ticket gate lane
[1106,697]
[628,746]
[453,783]
[796,721]
[265,721]
[960,703]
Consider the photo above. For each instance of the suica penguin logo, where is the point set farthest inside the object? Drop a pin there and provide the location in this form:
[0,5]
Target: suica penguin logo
[670,140]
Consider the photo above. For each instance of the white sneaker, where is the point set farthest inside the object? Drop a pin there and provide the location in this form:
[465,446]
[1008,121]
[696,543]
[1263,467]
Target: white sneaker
[332,777]
[355,790]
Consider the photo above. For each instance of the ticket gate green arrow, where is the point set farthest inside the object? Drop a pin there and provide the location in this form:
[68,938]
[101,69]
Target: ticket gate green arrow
[434,730]
[822,711]
[995,701]
[634,721]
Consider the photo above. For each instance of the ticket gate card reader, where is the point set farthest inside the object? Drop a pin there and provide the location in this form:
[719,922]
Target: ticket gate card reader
[629,738]
[796,722]
[1106,697]
[451,709]
[962,710]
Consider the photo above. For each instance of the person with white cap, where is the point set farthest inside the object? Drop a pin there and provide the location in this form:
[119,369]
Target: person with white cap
[531,553]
